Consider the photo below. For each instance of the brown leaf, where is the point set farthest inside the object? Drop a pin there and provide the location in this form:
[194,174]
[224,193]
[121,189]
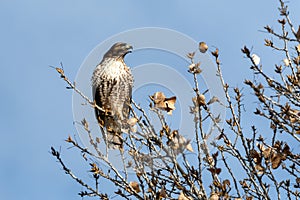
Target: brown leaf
[191,67]
[213,100]
[132,121]
[203,47]
[98,140]
[194,68]
[244,184]
[286,150]
[226,182]
[179,143]
[256,156]
[158,97]
[135,186]
[182,196]
[160,101]
[260,146]
[276,160]
[214,196]
[170,104]
[199,100]
[163,193]
[267,152]
[189,147]
[260,169]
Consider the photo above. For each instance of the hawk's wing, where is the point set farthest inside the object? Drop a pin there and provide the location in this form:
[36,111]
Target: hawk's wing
[108,119]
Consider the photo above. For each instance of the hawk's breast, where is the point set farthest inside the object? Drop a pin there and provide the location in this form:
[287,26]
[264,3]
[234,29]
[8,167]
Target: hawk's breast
[112,83]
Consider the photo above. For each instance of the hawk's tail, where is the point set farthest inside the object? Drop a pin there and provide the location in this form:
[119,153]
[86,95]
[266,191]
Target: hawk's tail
[112,139]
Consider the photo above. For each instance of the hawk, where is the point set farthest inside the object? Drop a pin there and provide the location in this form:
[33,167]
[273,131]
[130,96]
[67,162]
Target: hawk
[112,84]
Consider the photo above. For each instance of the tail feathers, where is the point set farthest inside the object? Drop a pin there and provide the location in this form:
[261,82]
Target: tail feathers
[112,139]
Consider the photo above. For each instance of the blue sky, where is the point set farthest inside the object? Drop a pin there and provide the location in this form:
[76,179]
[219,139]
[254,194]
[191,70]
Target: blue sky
[36,109]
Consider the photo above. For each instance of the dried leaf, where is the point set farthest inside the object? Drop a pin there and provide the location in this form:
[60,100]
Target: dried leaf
[256,156]
[214,196]
[191,67]
[179,143]
[260,169]
[135,186]
[160,101]
[286,150]
[170,104]
[226,182]
[182,196]
[163,193]
[98,140]
[213,100]
[244,184]
[199,100]
[276,160]
[132,121]
[203,47]
[158,97]
[267,152]
[189,147]
[195,68]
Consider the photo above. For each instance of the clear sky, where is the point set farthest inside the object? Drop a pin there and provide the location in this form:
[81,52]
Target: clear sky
[35,107]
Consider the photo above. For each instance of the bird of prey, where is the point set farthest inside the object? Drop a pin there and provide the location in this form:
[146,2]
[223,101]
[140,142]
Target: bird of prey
[112,84]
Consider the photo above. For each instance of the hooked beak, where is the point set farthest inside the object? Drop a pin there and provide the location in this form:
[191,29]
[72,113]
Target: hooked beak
[129,48]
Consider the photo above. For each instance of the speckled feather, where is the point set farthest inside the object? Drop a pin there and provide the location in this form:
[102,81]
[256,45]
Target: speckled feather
[112,87]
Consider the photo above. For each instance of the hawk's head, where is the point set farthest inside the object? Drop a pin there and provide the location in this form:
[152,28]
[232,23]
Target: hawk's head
[118,50]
